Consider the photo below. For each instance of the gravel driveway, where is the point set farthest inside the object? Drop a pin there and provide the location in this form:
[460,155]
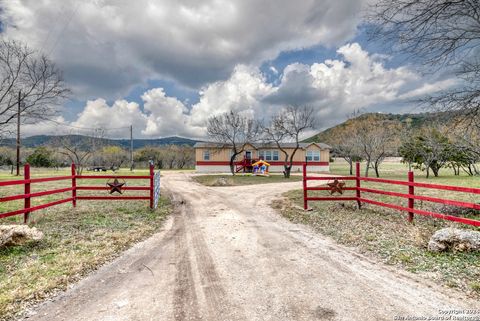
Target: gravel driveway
[226,255]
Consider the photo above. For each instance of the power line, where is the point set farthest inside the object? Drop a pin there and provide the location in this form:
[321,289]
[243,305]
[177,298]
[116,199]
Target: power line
[65,26]
[87,128]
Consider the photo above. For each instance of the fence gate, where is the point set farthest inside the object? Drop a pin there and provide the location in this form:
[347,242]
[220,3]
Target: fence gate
[114,186]
[337,185]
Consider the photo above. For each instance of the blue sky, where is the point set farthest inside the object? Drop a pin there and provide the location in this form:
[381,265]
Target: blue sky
[166,66]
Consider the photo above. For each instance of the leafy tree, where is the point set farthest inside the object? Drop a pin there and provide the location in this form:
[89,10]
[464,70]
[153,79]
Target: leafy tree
[147,154]
[427,150]
[171,156]
[41,157]
[113,156]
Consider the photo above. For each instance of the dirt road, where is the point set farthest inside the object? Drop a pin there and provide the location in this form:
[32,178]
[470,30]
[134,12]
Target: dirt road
[226,255]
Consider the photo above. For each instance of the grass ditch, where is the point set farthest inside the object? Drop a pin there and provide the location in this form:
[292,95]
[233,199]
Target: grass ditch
[387,236]
[76,241]
[229,180]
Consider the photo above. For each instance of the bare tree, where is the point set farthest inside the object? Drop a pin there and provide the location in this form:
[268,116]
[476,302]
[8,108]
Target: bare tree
[29,78]
[185,156]
[113,156]
[374,140]
[347,149]
[288,125]
[79,149]
[233,130]
[440,33]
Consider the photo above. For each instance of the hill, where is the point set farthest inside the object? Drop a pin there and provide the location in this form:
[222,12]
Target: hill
[45,140]
[412,121]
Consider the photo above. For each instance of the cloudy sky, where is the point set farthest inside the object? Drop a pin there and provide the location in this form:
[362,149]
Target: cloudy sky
[165,66]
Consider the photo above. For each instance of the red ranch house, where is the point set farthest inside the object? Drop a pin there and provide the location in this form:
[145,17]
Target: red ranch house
[214,157]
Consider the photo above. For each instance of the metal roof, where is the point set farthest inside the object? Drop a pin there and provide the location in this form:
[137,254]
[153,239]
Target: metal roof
[260,145]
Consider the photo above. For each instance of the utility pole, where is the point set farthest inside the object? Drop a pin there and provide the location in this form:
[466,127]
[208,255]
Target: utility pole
[18,133]
[131,147]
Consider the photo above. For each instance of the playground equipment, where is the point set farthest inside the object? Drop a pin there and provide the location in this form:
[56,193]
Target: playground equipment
[245,165]
[260,168]
[257,167]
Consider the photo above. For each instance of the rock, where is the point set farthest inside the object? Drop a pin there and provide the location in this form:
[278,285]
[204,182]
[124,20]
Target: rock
[222,181]
[454,239]
[18,234]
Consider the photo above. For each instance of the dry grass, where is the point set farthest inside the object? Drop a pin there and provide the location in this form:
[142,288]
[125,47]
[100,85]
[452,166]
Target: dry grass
[387,236]
[76,242]
[229,180]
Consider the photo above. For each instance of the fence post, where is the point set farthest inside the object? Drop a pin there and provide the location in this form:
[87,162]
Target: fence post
[26,174]
[74,185]
[357,179]
[411,192]
[305,195]
[151,183]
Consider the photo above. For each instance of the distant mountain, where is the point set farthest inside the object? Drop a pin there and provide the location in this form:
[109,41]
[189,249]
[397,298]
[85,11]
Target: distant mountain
[45,140]
[414,121]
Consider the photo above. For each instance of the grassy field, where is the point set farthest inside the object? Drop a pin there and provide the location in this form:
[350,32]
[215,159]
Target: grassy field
[229,180]
[76,241]
[386,235]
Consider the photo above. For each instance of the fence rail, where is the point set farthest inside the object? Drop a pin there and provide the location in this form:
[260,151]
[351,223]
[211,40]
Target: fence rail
[410,195]
[28,195]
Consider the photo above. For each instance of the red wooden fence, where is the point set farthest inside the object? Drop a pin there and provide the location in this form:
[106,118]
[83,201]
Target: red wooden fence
[410,195]
[27,196]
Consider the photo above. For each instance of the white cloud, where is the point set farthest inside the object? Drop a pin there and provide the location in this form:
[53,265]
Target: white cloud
[106,47]
[335,88]
[122,114]
[338,87]
[429,88]
[43,127]
[167,116]
[243,91]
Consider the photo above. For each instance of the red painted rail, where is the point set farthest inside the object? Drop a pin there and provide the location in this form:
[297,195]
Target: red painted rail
[28,195]
[410,195]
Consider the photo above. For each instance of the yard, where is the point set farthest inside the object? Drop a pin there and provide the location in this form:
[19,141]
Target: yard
[386,235]
[229,180]
[76,241]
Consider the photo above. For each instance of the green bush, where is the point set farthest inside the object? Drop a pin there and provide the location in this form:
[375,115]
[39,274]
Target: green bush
[41,157]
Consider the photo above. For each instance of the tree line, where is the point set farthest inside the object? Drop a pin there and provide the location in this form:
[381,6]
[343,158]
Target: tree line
[371,138]
[111,157]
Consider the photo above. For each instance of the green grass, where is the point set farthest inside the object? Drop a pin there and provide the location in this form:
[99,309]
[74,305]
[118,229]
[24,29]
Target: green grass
[397,170]
[76,241]
[386,235]
[229,180]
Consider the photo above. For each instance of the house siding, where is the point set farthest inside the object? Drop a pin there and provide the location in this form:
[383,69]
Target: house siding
[220,159]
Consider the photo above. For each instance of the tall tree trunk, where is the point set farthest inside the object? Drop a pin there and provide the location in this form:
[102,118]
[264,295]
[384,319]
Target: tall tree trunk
[376,170]
[287,171]
[350,163]
[232,166]
[367,167]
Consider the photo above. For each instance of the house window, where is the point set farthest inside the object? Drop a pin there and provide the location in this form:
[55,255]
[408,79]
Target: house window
[268,155]
[313,155]
[275,155]
[206,155]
